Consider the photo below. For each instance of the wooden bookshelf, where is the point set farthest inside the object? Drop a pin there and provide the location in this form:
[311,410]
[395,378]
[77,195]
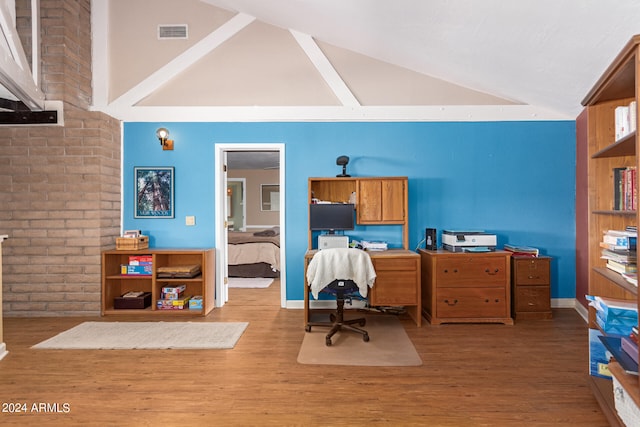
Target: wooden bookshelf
[618,86]
[115,284]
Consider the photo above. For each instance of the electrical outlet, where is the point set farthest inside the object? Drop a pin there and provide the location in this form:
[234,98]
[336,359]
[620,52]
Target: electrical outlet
[190,220]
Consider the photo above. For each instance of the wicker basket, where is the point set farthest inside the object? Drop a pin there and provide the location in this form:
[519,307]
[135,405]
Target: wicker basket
[132,243]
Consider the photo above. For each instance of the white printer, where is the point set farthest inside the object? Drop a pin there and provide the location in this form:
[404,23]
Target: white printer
[459,241]
[327,241]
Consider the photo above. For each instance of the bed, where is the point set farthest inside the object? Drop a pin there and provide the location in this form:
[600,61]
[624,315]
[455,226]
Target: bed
[254,253]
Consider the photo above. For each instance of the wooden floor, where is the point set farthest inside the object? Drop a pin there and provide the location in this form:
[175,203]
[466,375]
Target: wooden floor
[533,373]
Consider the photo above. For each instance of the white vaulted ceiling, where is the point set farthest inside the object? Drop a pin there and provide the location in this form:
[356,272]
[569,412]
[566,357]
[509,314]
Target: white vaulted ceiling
[539,52]
[356,59]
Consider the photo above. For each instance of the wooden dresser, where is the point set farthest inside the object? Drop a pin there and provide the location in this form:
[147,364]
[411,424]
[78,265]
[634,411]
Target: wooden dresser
[462,287]
[531,287]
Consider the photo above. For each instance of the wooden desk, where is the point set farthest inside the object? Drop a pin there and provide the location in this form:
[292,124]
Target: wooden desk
[397,281]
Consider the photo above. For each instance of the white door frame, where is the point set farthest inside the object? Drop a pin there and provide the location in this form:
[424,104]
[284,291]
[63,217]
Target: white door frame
[220,186]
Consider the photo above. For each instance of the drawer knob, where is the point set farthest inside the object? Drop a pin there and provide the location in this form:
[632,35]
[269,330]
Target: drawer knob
[454,302]
[494,272]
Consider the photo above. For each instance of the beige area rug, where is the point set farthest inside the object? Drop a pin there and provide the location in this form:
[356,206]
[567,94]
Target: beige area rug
[147,335]
[389,345]
[249,282]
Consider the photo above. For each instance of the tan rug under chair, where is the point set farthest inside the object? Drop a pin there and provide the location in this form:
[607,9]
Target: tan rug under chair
[389,345]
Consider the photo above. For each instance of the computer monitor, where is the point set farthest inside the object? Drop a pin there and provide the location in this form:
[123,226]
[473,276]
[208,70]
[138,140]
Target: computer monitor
[331,217]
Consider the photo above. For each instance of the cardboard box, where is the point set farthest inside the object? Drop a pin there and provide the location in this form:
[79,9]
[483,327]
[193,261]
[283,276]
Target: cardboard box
[132,243]
[172,295]
[139,303]
[174,289]
[195,303]
[140,260]
[167,304]
[132,270]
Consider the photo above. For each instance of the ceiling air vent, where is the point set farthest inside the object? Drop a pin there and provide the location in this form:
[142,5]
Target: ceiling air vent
[166,32]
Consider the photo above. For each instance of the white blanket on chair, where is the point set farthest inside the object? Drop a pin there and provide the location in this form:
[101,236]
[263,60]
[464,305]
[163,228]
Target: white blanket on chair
[332,264]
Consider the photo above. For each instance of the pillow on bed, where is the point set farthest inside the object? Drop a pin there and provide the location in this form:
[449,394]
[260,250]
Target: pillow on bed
[275,231]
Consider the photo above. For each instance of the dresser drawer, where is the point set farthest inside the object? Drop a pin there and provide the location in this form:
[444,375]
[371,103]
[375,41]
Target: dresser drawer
[531,271]
[471,271]
[395,264]
[471,302]
[395,288]
[532,298]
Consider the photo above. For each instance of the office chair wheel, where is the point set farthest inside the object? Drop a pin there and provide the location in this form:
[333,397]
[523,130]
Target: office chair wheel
[365,338]
[327,342]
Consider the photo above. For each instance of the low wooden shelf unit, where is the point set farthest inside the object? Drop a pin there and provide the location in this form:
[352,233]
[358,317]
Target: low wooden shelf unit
[115,284]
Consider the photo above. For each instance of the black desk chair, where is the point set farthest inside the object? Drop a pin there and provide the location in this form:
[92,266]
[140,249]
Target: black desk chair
[343,290]
[345,273]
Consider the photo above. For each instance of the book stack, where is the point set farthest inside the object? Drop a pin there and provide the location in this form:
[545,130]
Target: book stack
[625,120]
[374,246]
[615,316]
[619,249]
[625,197]
[517,250]
[173,298]
[139,265]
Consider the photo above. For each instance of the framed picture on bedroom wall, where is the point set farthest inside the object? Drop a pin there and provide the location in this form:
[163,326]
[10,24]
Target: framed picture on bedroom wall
[154,192]
[269,197]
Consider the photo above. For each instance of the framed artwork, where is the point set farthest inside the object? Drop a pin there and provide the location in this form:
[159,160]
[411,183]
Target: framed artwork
[154,192]
[269,197]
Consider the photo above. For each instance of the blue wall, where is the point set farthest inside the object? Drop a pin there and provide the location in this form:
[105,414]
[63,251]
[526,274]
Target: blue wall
[514,179]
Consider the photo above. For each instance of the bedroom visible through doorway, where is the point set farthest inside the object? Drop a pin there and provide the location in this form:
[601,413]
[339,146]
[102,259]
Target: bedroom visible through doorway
[251,217]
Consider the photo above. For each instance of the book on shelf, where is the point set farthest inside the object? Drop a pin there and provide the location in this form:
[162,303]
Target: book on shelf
[625,120]
[518,250]
[622,267]
[624,188]
[619,240]
[619,255]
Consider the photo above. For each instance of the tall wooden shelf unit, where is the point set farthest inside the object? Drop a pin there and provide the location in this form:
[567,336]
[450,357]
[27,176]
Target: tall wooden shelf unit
[618,86]
[115,284]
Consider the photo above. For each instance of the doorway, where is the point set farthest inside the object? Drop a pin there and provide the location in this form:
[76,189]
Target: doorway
[256,154]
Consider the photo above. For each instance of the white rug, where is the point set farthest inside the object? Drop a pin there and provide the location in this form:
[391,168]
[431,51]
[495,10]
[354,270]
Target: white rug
[147,335]
[249,282]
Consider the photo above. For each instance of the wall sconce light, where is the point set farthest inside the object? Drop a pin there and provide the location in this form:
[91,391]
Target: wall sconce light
[163,135]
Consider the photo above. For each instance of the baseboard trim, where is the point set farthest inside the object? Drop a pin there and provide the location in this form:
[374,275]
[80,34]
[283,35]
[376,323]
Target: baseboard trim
[328,304]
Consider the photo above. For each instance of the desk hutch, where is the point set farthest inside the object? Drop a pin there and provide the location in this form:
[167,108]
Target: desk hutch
[378,201]
[618,86]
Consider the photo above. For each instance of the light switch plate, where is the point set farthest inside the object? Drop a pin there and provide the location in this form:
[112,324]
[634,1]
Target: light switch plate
[190,220]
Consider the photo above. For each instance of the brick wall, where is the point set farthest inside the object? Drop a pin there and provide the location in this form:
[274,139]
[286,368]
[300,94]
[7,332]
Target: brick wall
[60,192]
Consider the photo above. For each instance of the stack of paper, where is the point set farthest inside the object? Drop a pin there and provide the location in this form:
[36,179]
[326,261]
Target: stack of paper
[374,246]
[615,316]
